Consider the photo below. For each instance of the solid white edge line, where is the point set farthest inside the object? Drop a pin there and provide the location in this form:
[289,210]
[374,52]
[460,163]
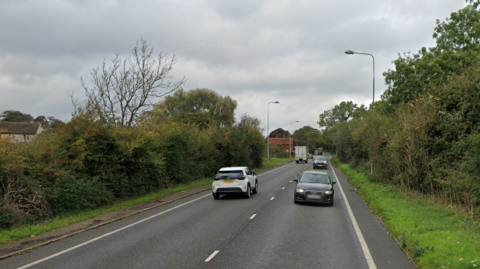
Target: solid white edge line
[363,243]
[253,216]
[110,233]
[212,256]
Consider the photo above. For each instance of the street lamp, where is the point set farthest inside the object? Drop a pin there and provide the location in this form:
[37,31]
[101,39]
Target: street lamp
[350,52]
[268,135]
[290,152]
[373,100]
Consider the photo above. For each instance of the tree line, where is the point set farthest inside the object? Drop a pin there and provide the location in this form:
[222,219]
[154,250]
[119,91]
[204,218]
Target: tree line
[125,141]
[424,134]
[17,116]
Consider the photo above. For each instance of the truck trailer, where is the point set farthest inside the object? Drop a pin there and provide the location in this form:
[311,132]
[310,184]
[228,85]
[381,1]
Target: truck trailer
[301,154]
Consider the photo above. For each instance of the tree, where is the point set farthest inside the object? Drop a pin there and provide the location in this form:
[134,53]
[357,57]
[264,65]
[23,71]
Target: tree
[307,136]
[55,123]
[249,122]
[15,116]
[199,106]
[457,47]
[340,113]
[123,90]
[279,133]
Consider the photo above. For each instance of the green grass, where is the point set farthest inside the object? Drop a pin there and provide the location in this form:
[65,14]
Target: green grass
[63,220]
[433,235]
[273,163]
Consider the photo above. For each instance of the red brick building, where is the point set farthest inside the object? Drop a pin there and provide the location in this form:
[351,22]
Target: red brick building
[284,142]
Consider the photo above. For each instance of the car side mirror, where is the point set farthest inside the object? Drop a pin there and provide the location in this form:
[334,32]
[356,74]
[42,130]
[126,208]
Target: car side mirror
[334,182]
[254,173]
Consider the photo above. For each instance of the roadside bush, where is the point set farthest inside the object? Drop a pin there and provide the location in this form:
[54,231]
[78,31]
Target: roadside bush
[144,171]
[8,217]
[21,200]
[68,194]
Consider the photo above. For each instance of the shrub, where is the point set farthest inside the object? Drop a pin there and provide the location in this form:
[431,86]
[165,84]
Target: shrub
[69,194]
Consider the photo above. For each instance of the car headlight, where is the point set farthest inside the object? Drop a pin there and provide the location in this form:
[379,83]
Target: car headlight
[328,192]
[300,190]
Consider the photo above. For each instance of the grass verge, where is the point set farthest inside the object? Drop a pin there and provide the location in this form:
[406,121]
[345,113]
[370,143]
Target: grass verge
[274,162]
[63,220]
[434,235]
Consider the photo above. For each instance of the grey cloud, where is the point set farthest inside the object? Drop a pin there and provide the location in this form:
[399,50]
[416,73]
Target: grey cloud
[254,51]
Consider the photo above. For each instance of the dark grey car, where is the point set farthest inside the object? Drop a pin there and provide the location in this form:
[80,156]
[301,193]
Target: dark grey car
[314,187]
[319,162]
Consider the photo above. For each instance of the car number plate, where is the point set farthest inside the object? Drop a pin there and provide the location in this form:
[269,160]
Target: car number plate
[314,196]
[228,181]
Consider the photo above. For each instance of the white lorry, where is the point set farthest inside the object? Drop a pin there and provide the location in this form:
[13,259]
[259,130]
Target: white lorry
[301,154]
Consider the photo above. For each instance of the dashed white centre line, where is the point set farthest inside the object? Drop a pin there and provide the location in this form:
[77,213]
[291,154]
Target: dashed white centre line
[272,198]
[253,216]
[283,188]
[212,255]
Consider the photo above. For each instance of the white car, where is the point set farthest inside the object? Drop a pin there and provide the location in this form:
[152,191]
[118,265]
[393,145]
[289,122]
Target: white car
[239,180]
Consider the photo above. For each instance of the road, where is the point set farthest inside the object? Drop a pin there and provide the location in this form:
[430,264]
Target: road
[266,231]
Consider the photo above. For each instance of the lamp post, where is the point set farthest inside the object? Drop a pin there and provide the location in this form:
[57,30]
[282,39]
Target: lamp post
[268,135]
[290,151]
[350,52]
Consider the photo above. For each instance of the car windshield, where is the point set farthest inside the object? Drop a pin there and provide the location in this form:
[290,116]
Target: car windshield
[229,174]
[315,178]
[321,159]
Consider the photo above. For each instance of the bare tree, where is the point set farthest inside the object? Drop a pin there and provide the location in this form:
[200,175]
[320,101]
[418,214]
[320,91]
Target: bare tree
[123,90]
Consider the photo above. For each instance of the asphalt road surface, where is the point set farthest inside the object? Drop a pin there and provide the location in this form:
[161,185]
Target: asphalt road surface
[266,231]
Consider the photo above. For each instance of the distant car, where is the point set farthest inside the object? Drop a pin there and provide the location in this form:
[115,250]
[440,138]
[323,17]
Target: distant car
[234,180]
[314,187]
[320,162]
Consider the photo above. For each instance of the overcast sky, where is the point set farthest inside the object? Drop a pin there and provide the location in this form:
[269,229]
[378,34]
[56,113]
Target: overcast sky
[255,51]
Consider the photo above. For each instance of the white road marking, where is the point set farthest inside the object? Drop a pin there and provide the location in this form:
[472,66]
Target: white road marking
[363,243]
[253,216]
[128,226]
[281,167]
[110,233]
[272,198]
[283,188]
[212,256]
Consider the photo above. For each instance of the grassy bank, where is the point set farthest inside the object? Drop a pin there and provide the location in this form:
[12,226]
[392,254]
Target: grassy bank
[435,236]
[9,235]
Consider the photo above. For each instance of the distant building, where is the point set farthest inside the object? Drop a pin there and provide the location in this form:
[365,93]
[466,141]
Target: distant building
[284,142]
[20,131]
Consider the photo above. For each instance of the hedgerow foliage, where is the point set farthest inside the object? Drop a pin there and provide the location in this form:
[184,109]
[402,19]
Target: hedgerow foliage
[424,135]
[87,164]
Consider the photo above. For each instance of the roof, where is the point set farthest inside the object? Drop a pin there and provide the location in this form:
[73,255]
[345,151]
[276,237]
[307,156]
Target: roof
[232,168]
[7,127]
[315,172]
